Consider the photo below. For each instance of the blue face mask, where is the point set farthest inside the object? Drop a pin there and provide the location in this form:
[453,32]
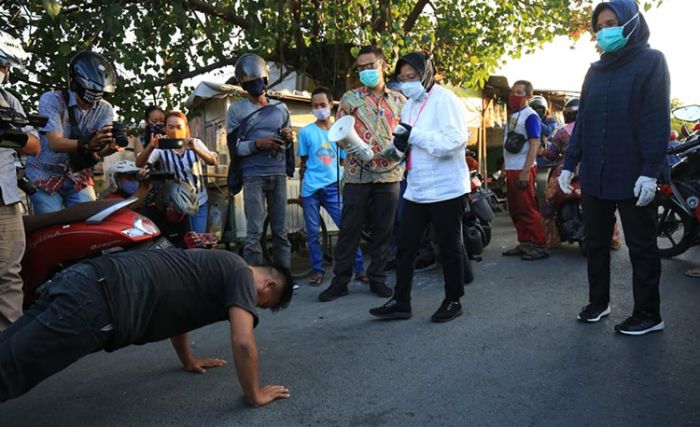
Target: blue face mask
[413,90]
[129,187]
[611,39]
[254,87]
[369,78]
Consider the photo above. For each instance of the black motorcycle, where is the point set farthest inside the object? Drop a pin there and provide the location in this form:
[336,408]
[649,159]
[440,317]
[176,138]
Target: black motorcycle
[678,198]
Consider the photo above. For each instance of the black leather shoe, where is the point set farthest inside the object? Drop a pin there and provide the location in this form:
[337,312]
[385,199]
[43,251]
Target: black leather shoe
[448,310]
[381,290]
[392,310]
[333,292]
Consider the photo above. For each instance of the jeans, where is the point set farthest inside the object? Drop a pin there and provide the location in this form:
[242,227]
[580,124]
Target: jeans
[257,192]
[71,319]
[12,245]
[375,203]
[446,220]
[639,225]
[198,222]
[328,198]
[66,196]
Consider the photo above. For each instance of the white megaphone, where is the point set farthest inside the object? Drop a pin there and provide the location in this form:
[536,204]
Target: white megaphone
[343,132]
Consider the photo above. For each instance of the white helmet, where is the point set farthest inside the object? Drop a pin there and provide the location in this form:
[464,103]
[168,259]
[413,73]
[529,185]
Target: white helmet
[122,166]
[11,52]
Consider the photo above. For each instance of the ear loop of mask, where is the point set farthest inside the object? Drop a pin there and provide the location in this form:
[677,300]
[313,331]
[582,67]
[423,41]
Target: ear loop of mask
[635,27]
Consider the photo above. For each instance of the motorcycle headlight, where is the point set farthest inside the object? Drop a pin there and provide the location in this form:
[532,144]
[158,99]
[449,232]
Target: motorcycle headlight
[142,226]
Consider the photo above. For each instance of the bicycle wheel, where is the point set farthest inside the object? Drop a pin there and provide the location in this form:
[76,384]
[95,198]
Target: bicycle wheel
[300,259]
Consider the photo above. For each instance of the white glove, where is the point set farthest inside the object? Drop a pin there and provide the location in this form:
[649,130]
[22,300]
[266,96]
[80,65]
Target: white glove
[644,190]
[564,179]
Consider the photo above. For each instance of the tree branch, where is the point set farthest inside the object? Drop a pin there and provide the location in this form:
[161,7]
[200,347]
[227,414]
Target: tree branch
[413,16]
[175,78]
[226,15]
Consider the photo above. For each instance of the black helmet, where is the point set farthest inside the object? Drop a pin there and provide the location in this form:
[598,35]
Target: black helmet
[571,110]
[251,67]
[90,75]
[539,104]
[178,196]
[11,52]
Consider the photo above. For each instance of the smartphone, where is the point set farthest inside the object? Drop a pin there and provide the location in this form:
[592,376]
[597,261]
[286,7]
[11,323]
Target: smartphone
[170,143]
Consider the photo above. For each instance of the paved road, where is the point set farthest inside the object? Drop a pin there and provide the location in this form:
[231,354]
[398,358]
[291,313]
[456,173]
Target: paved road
[517,357]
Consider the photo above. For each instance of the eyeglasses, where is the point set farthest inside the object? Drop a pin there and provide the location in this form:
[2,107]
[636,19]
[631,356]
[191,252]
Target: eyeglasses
[408,77]
[370,66]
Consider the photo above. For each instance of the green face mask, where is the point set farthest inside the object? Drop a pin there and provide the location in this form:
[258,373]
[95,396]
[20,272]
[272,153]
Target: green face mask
[611,39]
[369,78]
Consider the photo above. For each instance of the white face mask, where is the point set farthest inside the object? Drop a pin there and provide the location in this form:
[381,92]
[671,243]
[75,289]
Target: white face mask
[413,90]
[322,113]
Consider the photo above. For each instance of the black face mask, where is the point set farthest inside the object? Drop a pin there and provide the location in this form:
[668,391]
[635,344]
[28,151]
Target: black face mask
[89,96]
[254,87]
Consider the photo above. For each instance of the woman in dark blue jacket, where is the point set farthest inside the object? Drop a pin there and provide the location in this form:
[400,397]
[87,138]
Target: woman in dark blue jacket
[620,143]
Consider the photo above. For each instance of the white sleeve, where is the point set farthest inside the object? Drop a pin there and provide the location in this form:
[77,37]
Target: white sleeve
[198,142]
[155,156]
[450,133]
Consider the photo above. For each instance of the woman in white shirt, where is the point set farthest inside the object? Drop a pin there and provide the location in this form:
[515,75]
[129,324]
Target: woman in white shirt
[185,162]
[432,137]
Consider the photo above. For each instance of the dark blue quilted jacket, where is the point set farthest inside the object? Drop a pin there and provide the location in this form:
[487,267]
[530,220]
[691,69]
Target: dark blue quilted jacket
[623,121]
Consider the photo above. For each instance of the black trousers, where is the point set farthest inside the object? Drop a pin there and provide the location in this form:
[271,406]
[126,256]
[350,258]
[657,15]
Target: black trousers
[71,319]
[639,225]
[375,203]
[446,219]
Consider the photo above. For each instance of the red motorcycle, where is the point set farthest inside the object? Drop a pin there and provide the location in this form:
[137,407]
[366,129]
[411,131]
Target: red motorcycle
[59,239]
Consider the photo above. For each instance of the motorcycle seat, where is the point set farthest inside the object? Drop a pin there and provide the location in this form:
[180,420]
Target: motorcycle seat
[76,213]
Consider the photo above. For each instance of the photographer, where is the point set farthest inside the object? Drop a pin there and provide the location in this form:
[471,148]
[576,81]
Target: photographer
[11,227]
[78,134]
[154,117]
[185,162]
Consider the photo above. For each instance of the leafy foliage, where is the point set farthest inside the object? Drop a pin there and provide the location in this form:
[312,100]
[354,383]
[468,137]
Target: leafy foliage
[157,44]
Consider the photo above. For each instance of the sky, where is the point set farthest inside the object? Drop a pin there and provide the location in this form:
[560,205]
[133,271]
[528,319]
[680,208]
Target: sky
[673,28]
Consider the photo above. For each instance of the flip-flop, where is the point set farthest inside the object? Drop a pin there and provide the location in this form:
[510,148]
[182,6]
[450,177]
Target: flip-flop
[362,277]
[316,279]
[693,272]
[534,255]
[514,252]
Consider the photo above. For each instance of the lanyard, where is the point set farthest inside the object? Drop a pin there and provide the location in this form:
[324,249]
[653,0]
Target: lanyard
[410,113]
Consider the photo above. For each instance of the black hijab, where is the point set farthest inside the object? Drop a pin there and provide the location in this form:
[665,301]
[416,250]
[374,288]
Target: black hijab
[423,64]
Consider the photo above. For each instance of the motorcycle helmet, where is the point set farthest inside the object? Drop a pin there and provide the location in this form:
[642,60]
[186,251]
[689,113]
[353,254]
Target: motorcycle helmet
[12,55]
[178,197]
[571,110]
[121,167]
[251,67]
[539,104]
[90,75]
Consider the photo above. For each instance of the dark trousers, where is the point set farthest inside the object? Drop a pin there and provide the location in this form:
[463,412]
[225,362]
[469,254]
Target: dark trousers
[70,319]
[375,203]
[446,219]
[639,225]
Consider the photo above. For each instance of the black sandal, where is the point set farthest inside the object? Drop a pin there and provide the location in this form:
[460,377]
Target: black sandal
[516,251]
[535,255]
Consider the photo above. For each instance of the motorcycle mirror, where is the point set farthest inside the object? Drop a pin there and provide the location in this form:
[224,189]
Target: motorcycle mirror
[688,113]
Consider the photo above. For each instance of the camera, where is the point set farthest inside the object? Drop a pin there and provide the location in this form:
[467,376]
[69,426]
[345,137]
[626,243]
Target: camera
[11,122]
[151,131]
[119,134]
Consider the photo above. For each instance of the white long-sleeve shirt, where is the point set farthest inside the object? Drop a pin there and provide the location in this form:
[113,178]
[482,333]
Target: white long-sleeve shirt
[438,167]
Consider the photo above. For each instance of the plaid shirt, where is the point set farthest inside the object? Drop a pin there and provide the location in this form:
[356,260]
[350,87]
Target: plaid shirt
[375,119]
[49,170]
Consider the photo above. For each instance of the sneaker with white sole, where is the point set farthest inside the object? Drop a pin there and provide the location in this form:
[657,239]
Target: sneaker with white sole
[640,325]
[592,313]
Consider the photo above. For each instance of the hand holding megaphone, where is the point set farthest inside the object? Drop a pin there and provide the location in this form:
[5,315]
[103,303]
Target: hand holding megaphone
[401,133]
[343,133]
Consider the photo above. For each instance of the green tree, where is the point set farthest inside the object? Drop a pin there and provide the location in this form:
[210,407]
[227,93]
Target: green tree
[157,44]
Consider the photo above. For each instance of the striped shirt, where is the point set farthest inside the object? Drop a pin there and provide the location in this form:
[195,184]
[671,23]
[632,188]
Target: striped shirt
[186,165]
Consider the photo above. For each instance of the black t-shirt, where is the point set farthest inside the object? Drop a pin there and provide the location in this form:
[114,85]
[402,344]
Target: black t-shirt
[158,294]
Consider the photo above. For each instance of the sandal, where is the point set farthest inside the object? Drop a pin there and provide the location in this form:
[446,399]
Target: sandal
[316,279]
[693,272]
[534,255]
[362,277]
[516,251]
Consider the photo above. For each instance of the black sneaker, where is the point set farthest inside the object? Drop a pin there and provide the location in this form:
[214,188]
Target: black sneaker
[333,292]
[392,310]
[381,290]
[592,313]
[640,325]
[448,310]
